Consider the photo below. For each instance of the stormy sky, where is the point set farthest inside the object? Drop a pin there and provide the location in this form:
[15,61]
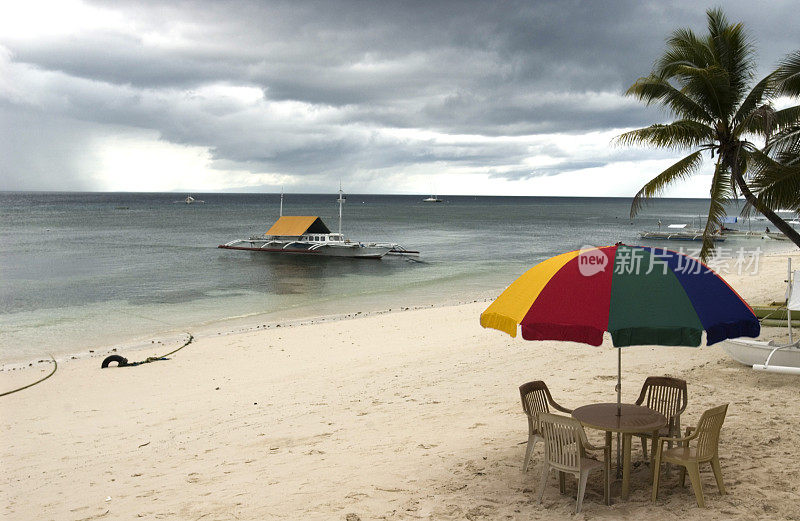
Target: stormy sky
[445,97]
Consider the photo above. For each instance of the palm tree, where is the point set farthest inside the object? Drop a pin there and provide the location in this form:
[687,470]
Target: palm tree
[717,110]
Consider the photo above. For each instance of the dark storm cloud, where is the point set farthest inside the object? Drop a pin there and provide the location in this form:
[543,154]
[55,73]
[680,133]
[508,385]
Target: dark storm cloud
[484,69]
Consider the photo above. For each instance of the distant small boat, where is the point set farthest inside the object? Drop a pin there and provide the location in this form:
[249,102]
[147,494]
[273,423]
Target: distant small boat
[190,200]
[432,199]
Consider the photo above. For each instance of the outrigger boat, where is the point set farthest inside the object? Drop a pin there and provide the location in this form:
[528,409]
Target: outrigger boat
[749,233]
[308,235]
[772,356]
[679,232]
[777,236]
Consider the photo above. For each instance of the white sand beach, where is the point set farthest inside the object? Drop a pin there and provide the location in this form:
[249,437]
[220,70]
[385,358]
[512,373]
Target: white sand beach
[403,415]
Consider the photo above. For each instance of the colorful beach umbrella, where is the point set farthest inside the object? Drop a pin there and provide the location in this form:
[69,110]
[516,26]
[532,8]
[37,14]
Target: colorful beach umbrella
[640,295]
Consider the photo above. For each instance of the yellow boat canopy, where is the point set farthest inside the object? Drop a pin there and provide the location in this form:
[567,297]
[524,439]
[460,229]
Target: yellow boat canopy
[295,226]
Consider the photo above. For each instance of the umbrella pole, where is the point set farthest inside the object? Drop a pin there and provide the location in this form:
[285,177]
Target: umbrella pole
[619,381]
[619,406]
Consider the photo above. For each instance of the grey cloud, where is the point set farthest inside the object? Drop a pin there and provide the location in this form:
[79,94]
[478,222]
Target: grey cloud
[549,170]
[489,69]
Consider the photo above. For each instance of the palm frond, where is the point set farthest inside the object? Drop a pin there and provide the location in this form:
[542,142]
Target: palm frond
[716,22]
[786,143]
[791,156]
[682,169]
[719,81]
[788,117]
[734,52]
[754,102]
[760,122]
[678,134]
[788,75]
[684,48]
[652,89]
[709,87]
[759,160]
[775,185]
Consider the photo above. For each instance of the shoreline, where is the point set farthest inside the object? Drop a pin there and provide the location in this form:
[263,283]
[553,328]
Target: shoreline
[229,326]
[226,326]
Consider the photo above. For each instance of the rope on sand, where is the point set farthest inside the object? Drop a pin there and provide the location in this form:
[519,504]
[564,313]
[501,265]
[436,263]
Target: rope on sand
[55,366]
[114,358]
[123,362]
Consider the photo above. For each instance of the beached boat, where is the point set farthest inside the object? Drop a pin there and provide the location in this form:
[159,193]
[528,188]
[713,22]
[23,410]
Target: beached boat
[756,352]
[776,315]
[308,235]
[772,356]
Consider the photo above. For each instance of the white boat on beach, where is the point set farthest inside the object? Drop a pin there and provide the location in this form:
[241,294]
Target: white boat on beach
[772,356]
[308,235]
[756,352]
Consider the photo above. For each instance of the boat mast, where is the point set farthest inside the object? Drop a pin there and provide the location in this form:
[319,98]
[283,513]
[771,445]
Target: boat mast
[341,200]
[281,210]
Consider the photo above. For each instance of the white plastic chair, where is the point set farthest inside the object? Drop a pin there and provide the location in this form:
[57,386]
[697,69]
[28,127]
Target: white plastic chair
[536,399]
[565,446]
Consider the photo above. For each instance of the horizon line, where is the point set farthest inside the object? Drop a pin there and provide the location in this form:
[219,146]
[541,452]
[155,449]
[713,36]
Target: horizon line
[174,192]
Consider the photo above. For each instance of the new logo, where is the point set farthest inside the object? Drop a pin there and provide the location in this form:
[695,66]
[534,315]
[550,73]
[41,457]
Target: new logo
[591,261]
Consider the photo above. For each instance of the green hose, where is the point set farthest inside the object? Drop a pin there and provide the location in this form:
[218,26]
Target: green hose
[55,366]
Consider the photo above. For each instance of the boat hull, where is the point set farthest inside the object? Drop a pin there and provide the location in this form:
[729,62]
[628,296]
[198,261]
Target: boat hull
[756,235]
[755,352]
[678,236]
[354,251]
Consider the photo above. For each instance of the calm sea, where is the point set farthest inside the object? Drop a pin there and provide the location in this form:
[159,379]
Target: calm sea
[84,270]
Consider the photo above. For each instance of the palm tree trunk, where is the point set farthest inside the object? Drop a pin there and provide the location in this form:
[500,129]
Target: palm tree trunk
[774,218]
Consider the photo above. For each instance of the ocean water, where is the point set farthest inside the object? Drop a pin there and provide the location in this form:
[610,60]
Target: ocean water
[84,270]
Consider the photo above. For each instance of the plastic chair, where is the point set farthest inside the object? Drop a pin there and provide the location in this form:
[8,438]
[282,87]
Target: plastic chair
[565,447]
[707,436]
[667,396]
[536,399]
